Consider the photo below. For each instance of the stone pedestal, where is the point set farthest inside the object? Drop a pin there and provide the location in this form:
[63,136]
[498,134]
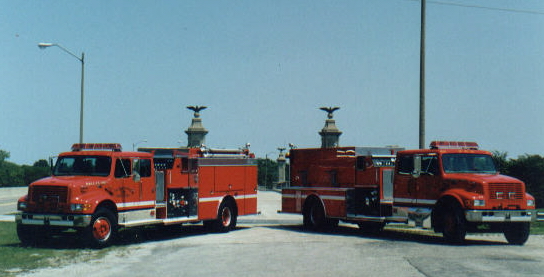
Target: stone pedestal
[330,135]
[196,133]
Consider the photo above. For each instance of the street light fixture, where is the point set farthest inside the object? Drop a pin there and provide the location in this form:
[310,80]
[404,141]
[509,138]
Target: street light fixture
[43,45]
[136,143]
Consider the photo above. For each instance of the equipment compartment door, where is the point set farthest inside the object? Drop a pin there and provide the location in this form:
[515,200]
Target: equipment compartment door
[182,202]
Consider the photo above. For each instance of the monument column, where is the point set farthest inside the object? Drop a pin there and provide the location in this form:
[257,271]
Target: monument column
[281,167]
[196,133]
[330,135]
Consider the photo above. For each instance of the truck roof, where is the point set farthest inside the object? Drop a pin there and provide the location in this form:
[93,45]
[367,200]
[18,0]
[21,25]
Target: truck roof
[107,153]
[355,150]
[444,151]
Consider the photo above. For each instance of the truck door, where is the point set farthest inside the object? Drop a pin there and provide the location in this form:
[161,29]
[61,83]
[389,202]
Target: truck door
[143,179]
[127,191]
[405,187]
[428,182]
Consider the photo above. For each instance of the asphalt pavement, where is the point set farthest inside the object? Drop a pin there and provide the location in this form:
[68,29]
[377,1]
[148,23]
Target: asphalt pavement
[275,244]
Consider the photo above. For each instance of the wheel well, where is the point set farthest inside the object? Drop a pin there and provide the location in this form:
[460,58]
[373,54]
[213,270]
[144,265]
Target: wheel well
[231,199]
[442,205]
[310,200]
[108,205]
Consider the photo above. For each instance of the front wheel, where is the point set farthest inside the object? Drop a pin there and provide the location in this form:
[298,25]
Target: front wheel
[454,224]
[102,231]
[31,235]
[517,233]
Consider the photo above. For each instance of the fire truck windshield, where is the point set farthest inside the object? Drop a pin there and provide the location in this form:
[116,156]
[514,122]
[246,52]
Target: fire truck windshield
[82,166]
[468,163]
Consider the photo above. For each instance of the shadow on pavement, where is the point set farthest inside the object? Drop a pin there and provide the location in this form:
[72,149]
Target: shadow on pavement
[128,236]
[389,234]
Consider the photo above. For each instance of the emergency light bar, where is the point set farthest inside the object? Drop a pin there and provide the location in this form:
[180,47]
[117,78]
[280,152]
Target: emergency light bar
[96,146]
[454,145]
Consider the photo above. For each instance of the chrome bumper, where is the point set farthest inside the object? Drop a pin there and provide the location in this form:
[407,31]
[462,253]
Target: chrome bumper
[53,220]
[501,215]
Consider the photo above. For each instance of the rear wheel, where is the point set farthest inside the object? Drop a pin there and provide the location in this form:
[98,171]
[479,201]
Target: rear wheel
[517,233]
[226,218]
[102,231]
[314,216]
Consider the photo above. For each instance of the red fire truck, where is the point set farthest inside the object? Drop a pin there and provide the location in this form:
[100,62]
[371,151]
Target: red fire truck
[453,187]
[97,188]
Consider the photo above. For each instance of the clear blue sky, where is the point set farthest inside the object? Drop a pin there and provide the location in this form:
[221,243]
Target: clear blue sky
[264,68]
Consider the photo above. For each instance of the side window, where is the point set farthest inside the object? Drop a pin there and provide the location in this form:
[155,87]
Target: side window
[333,175]
[184,165]
[361,163]
[193,165]
[122,168]
[142,167]
[189,165]
[406,164]
[429,165]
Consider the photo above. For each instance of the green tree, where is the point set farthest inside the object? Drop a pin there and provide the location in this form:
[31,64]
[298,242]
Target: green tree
[11,175]
[4,155]
[41,163]
[33,173]
[268,173]
[501,161]
[529,169]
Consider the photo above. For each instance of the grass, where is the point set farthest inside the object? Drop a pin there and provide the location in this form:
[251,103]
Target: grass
[537,228]
[16,259]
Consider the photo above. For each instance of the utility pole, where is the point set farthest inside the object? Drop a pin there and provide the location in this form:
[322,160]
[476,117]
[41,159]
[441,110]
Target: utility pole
[422,80]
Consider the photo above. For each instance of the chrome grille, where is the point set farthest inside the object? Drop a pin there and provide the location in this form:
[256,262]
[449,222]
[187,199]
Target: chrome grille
[508,191]
[48,199]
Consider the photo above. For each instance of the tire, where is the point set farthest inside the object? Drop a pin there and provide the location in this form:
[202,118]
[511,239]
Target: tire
[226,218]
[517,233]
[454,224]
[102,231]
[314,217]
[31,235]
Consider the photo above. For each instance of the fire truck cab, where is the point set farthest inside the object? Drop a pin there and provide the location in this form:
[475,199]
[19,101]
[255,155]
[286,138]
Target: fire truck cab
[97,188]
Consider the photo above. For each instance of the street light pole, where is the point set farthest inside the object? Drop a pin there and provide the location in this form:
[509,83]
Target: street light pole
[422,79]
[44,45]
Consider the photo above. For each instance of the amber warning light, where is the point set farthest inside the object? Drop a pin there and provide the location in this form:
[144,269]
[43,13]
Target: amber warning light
[454,145]
[96,146]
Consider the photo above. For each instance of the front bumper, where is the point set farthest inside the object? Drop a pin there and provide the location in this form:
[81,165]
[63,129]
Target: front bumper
[61,220]
[501,215]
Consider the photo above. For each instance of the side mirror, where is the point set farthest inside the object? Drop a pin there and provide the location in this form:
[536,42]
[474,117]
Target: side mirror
[136,177]
[417,166]
[52,161]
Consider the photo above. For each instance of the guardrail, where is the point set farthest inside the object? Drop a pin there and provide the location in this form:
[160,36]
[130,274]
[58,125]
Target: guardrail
[540,216]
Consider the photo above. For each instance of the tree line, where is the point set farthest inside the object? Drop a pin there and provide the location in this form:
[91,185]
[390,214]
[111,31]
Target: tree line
[528,168]
[14,175]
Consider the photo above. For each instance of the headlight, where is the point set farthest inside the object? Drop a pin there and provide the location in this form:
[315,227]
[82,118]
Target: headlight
[76,207]
[530,202]
[479,202]
[79,207]
[21,206]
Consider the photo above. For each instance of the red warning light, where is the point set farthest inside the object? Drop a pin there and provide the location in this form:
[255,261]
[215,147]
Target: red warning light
[96,146]
[454,145]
